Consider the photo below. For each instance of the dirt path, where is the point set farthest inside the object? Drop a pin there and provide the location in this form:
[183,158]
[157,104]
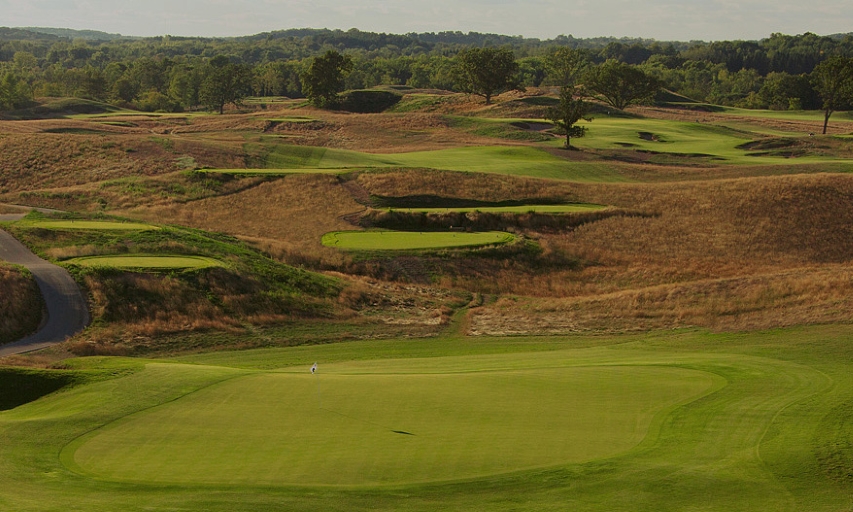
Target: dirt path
[67,313]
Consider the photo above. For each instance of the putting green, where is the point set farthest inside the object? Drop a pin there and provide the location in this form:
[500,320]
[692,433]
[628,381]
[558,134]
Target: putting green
[142,261]
[411,240]
[374,429]
[86,224]
[527,208]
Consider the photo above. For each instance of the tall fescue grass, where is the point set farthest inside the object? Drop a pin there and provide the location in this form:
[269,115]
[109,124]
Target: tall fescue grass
[793,297]
[294,212]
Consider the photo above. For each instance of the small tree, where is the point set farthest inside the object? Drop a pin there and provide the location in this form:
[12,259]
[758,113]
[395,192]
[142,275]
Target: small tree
[833,80]
[619,84]
[324,78]
[568,112]
[486,72]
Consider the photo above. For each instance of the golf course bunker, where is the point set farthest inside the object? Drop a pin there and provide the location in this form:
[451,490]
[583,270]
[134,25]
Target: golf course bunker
[412,240]
[146,261]
[386,429]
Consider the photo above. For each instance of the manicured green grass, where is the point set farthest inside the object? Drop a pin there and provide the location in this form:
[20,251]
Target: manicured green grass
[409,240]
[527,208]
[670,421]
[512,160]
[351,425]
[703,142]
[144,261]
[84,224]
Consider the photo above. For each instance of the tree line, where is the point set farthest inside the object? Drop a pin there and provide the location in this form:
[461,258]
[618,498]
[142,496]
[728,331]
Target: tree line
[179,73]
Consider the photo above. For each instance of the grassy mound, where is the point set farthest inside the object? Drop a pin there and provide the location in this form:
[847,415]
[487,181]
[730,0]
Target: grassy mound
[61,107]
[224,284]
[23,385]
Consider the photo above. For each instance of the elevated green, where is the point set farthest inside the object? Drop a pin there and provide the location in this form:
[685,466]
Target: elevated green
[408,240]
[85,224]
[146,261]
[528,208]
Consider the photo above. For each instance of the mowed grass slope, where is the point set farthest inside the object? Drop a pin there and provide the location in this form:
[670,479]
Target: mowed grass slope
[712,143]
[653,422]
[510,160]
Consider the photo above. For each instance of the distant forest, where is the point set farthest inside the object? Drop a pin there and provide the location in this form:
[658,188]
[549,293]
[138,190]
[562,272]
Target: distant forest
[168,73]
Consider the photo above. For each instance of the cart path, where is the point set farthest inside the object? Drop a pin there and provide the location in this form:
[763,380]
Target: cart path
[67,313]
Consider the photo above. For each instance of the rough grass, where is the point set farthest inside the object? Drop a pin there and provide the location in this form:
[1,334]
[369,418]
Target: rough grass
[129,308]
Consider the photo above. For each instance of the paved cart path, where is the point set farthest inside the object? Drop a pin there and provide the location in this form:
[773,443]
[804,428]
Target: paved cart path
[67,313]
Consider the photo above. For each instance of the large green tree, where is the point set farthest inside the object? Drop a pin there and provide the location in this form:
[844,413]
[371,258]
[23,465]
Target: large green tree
[565,66]
[833,80]
[325,78]
[486,71]
[619,84]
[224,83]
[568,112]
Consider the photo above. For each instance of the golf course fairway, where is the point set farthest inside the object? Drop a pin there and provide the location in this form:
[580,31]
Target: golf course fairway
[412,240]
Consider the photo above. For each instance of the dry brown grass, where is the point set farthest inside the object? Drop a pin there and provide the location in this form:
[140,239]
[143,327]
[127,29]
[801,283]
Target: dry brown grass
[20,304]
[128,306]
[732,247]
[476,186]
[294,211]
[794,297]
[30,162]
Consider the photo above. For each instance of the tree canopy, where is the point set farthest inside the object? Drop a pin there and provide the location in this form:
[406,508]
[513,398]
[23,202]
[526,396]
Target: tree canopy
[619,84]
[833,80]
[324,78]
[224,83]
[486,71]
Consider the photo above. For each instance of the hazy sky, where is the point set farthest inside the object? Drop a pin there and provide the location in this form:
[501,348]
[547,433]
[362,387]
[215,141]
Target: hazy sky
[681,20]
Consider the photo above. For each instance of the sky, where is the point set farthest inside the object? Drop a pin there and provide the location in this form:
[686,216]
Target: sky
[664,20]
